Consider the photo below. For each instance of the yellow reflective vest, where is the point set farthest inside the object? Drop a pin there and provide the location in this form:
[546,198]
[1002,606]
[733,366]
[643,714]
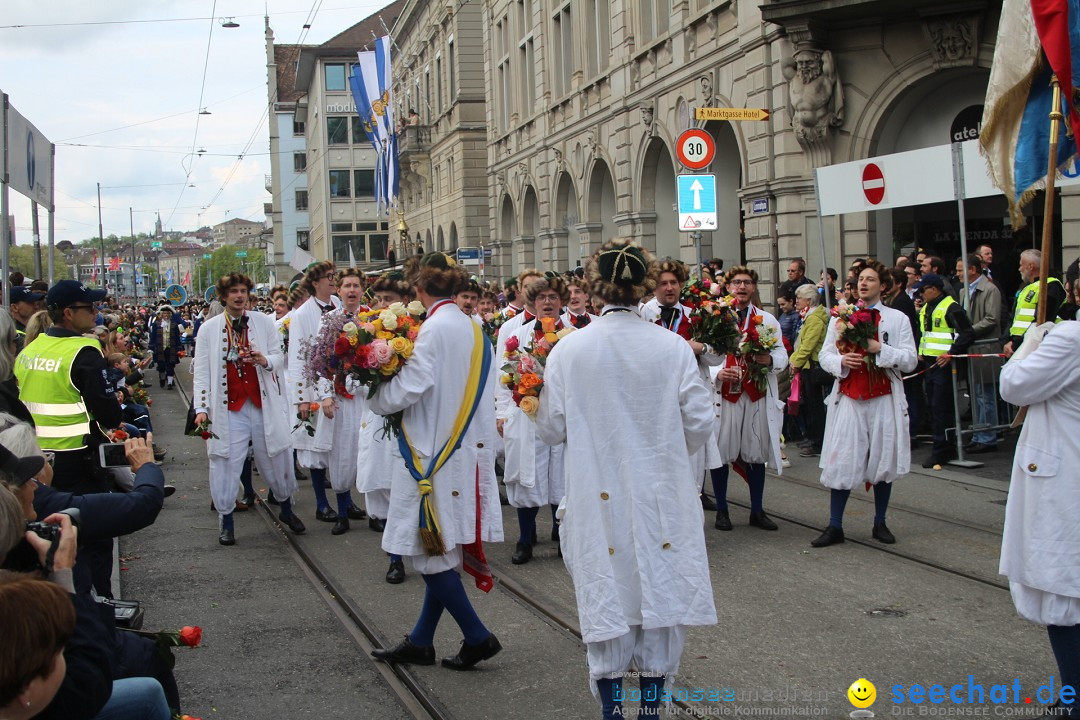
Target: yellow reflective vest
[43,370]
[1026,303]
[939,338]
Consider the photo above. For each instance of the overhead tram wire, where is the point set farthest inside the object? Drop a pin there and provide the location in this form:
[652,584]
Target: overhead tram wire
[27,26]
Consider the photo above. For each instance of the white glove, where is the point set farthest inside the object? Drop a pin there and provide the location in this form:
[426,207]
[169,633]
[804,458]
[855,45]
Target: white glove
[1032,339]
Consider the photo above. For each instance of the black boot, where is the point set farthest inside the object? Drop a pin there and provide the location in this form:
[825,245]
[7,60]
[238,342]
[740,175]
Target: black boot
[522,554]
[395,575]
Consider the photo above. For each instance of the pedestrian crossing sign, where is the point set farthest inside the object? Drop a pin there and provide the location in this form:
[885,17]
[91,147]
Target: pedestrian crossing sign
[697,203]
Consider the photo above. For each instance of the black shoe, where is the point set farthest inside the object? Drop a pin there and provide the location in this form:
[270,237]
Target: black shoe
[882,534]
[406,653]
[934,460]
[169,490]
[356,513]
[270,499]
[763,521]
[341,526]
[249,500]
[809,451]
[522,554]
[162,380]
[555,532]
[326,515]
[723,522]
[395,575]
[469,655]
[376,524]
[978,448]
[227,537]
[707,503]
[293,523]
[831,536]
[298,473]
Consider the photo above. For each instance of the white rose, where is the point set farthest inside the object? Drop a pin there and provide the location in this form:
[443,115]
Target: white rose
[349,328]
[398,309]
[389,320]
[415,308]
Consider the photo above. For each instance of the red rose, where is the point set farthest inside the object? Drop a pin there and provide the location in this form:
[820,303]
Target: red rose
[191,636]
[205,435]
[512,344]
[342,346]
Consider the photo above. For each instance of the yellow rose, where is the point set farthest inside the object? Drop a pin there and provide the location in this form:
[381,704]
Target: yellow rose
[353,340]
[399,345]
[391,367]
[377,325]
[529,405]
[551,337]
[384,335]
[507,379]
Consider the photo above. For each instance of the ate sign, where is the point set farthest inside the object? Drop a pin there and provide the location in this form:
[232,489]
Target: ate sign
[695,149]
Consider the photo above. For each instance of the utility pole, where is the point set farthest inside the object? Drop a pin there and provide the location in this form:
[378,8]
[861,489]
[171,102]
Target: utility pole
[134,259]
[101,237]
[37,239]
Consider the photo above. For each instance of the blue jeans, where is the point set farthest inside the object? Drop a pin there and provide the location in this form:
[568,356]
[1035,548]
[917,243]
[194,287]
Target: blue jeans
[138,698]
[985,413]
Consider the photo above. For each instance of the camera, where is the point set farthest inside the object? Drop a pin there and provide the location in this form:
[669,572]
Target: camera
[50,532]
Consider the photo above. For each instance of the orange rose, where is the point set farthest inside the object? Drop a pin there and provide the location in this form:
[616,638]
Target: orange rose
[314,407]
[530,380]
[758,320]
[548,325]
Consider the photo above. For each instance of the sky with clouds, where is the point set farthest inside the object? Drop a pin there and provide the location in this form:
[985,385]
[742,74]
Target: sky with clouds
[119,95]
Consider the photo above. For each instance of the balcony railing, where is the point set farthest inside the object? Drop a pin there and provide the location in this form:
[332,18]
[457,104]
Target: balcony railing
[414,140]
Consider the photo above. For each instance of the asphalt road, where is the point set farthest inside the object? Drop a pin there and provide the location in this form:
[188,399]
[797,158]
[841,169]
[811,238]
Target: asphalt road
[796,625]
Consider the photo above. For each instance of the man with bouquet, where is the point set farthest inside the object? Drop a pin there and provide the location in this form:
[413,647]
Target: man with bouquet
[748,409]
[443,505]
[867,348]
[239,398]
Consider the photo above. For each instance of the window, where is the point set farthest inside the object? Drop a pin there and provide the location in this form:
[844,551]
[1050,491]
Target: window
[379,246]
[364,185]
[563,50]
[303,238]
[299,162]
[655,16]
[343,243]
[340,227]
[599,55]
[298,127]
[438,85]
[526,58]
[504,90]
[301,199]
[339,184]
[427,95]
[370,226]
[335,77]
[451,86]
[337,130]
[359,135]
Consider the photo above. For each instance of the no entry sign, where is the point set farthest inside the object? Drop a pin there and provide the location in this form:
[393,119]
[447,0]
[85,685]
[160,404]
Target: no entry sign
[695,149]
[873,184]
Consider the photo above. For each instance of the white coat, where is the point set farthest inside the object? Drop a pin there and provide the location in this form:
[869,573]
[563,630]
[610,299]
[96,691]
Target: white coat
[774,409]
[844,463]
[627,399]
[429,390]
[1040,548]
[210,394]
[303,327]
[343,428]
[533,470]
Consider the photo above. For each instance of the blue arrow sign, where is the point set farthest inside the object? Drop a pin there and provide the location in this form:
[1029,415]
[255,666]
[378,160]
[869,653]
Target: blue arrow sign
[697,202]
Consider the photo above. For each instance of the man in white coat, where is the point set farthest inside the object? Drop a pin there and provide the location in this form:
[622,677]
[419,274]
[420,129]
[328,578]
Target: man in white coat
[312,448]
[631,534]
[1040,548]
[450,369]
[238,389]
[866,431]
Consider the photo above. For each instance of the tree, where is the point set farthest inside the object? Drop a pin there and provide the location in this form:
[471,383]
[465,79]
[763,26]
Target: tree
[224,261]
[21,258]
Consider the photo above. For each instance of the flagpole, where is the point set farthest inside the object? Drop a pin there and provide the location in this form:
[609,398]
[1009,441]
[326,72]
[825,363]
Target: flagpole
[1048,218]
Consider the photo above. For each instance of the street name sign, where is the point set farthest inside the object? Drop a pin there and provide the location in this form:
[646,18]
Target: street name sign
[468,256]
[731,114]
[241,253]
[759,205]
[695,149]
[697,202]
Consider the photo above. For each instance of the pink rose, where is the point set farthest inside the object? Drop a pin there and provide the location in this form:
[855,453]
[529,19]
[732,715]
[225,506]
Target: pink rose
[412,333]
[512,344]
[381,352]
[527,364]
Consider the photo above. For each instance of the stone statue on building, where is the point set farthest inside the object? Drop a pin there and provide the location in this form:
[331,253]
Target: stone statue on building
[815,95]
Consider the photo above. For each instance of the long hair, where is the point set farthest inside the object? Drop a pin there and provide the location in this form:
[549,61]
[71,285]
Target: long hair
[36,621]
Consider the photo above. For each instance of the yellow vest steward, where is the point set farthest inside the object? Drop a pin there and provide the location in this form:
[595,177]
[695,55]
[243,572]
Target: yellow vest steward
[1026,303]
[939,338]
[43,370]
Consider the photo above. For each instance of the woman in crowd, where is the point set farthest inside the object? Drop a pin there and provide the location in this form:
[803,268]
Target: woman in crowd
[534,470]
[804,360]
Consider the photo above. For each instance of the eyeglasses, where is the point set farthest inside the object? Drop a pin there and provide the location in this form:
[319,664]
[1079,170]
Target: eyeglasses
[741,282]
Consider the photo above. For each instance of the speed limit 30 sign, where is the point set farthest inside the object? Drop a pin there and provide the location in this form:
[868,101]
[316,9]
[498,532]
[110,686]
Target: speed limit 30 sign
[695,149]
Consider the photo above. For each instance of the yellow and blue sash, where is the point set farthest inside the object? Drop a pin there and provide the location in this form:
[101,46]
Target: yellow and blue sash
[480,365]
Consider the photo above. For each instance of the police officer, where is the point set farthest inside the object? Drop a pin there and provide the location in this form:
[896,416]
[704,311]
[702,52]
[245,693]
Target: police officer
[62,382]
[1028,299]
[23,305]
[946,330]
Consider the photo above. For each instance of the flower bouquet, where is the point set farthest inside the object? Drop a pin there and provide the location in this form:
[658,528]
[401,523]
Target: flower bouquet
[367,350]
[523,371]
[758,339]
[203,431]
[139,394]
[712,315]
[495,321]
[856,326]
[284,330]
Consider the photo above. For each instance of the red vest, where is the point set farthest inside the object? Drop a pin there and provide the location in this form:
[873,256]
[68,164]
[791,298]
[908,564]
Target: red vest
[733,392]
[866,383]
[242,387]
[680,327]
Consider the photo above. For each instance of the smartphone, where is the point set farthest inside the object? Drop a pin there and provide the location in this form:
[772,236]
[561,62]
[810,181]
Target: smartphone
[113,455]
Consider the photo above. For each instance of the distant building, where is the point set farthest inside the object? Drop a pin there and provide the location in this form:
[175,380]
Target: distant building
[236,231]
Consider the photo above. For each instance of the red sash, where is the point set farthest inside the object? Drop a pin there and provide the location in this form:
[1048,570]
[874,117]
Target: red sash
[472,556]
[733,392]
[681,325]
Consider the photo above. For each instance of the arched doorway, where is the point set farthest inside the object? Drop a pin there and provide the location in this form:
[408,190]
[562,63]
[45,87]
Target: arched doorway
[658,195]
[530,222]
[601,210]
[726,242]
[566,244]
[440,244]
[507,233]
[453,238]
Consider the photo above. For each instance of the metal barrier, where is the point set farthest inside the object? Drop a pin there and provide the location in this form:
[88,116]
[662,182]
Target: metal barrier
[989,413]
